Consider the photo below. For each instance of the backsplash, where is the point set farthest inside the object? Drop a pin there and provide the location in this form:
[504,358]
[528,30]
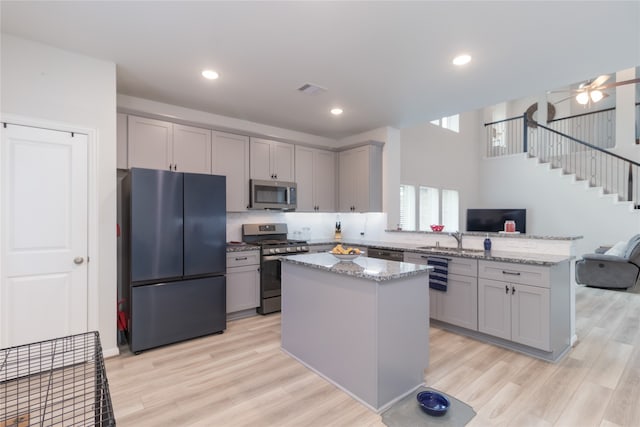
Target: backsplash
[321,225]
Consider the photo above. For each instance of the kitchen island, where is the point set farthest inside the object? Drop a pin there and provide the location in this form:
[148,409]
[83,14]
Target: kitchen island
[362,325]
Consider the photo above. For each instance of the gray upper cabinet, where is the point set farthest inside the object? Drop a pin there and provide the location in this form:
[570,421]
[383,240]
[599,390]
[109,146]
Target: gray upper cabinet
[360,179]
[156,144]
[149,143]
[230,157]
[315,176]
[271,160]
[121,129]
[191,149]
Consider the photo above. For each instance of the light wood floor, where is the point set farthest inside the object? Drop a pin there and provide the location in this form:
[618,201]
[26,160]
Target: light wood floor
[242,378]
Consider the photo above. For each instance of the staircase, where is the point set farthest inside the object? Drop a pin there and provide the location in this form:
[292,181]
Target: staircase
[601,170]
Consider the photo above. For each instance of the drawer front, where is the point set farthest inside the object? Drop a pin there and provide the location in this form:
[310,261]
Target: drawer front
[457,265]
[514,273]
[239,259]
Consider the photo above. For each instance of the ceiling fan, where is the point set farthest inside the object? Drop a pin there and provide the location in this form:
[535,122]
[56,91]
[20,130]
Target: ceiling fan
[593,91]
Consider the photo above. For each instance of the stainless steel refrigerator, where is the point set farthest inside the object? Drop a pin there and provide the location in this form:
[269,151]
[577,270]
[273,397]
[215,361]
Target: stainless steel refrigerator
[176,236]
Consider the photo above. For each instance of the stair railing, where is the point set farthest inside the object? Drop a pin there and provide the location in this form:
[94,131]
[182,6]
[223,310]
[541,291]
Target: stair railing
[597,127]
[506,137]
[601,168]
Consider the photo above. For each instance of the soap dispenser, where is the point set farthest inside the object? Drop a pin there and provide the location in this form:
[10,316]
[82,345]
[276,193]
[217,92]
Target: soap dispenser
[487,246]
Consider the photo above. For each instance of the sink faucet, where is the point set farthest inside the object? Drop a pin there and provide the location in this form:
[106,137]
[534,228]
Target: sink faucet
[458,236]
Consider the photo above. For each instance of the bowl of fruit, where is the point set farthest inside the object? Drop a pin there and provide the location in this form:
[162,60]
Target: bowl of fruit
[437,227]
[345,254]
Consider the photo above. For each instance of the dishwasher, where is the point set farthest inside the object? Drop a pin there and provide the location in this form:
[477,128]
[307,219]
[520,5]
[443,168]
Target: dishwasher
[388,254]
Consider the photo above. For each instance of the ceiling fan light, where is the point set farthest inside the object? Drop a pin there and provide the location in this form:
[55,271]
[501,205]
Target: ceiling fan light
[582,98]
[596,95]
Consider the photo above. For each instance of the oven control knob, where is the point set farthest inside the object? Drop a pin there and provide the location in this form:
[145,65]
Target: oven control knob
[304,248]
[273,251]
[291,249]
[276,250]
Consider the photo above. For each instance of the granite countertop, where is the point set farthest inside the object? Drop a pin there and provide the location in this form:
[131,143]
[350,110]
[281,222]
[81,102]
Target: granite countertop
[501,256]
[378,270]
[499,234]
[241,247]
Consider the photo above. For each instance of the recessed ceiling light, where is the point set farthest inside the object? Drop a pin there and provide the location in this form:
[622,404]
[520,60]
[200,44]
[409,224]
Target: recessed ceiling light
[462,59]
[336,111]
[210,74]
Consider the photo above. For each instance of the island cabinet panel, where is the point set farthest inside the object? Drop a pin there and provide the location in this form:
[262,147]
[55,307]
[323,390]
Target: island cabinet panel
[458,305]
[369,338]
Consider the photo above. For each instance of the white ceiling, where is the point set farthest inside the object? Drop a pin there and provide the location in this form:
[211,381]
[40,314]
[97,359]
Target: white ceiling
[384,63]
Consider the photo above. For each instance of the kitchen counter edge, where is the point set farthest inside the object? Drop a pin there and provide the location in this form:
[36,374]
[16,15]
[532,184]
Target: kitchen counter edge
[499,256]
[361,267]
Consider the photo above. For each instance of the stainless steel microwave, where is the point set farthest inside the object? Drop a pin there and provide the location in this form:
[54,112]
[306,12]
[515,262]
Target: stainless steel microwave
[265,194]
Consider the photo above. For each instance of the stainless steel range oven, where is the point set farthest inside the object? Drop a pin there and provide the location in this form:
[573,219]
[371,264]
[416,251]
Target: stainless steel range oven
[273,242]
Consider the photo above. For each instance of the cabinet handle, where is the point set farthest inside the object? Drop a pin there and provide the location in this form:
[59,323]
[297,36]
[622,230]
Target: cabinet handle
[175,167]
[241,258]
[513,290]
[437,256]
[276,176]
[506,289]
[170,166]
[512,273]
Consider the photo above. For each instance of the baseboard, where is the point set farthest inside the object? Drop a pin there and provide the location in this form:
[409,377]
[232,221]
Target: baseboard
[110,352]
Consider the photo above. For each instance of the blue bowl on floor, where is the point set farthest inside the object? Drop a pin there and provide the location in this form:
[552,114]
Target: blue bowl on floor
[433,403]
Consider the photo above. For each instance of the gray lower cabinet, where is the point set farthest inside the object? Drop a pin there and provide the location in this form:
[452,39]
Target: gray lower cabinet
[520,303]
[243,280]
[459,304]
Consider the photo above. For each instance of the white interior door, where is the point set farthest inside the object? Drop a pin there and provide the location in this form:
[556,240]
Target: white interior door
[43,288]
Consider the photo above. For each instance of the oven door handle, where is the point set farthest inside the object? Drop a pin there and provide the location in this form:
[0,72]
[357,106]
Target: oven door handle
[272,257]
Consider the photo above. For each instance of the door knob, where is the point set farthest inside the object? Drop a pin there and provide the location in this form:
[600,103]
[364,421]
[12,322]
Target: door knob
[78,260]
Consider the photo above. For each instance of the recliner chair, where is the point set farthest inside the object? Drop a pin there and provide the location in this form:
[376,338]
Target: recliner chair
[618,267]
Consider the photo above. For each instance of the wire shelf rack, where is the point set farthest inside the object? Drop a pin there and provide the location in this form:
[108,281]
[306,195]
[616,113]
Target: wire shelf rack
[58,382]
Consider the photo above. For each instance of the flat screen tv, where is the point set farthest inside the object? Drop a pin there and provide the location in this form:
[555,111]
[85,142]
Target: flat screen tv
[492,220]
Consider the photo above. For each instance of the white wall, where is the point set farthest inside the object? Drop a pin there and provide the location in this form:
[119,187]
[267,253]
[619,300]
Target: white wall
[556,204]
[45,83]
[440,158]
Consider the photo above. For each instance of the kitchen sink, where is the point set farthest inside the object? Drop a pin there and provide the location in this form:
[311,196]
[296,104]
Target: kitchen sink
[444,249]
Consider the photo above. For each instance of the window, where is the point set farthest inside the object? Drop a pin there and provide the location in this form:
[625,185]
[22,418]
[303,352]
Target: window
[451,122]
[428,206]
[407,207]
